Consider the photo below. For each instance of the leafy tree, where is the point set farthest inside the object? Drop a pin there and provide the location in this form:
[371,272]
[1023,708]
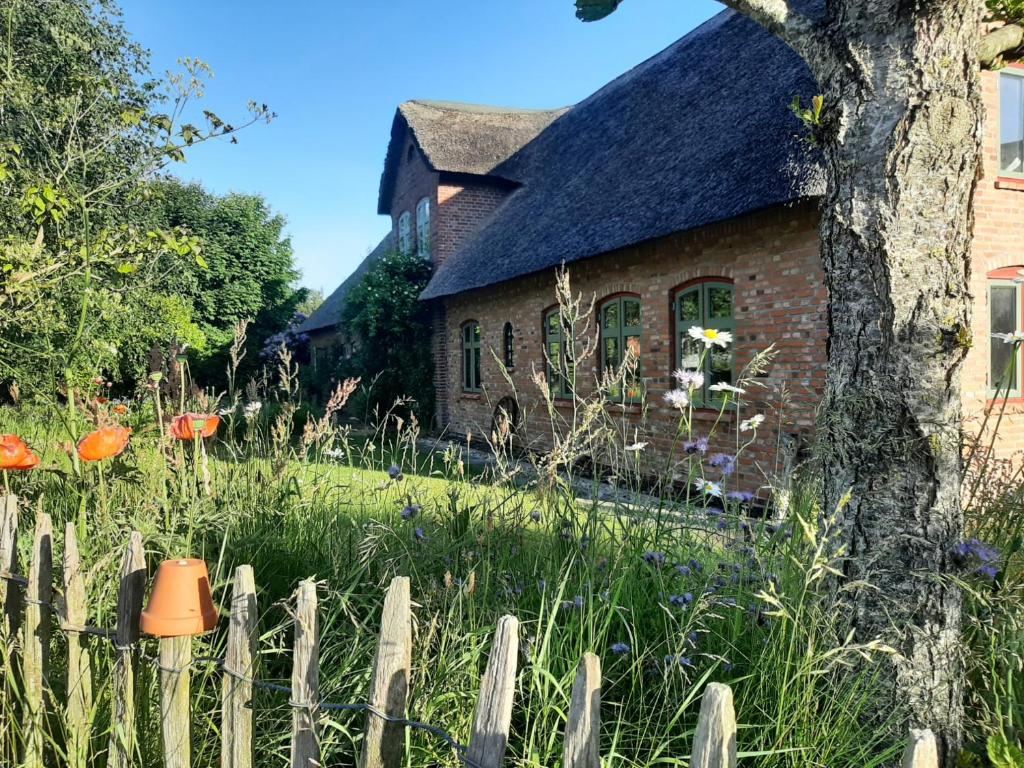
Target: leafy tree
[84,289]
[248,268]
[392,328]
[900,136]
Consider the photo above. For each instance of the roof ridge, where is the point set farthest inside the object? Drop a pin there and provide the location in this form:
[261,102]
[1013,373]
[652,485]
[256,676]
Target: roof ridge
[465,106]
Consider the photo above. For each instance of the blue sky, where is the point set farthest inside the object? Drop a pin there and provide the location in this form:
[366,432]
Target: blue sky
[334,71]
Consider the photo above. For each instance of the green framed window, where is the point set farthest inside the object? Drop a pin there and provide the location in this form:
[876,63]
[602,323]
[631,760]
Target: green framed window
[471,357]
[1004,312]
[708,304]
[620,331]
[1011,122]
[405,233]
[423,228]
[558,354]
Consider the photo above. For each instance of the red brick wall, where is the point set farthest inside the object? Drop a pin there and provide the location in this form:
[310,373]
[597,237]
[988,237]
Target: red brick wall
[414,181]
[462,208]
[773,259]
[998,242]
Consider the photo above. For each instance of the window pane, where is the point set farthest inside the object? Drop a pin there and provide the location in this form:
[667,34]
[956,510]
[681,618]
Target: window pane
[631,310]
[720,365]
[553,329]
[611,316]
[467,379]
[465,334]
[611,352]
[689,352]
[1003,318]
[476,368]
[476,334]
[719,302]
[1011,124]
[689,307]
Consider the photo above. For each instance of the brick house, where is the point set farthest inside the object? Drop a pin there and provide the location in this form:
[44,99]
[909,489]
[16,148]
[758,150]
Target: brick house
[679,194]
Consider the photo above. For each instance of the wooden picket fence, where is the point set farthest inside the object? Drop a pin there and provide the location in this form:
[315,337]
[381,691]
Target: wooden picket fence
[31,598]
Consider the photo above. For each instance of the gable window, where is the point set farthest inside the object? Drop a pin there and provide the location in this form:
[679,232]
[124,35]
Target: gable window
[471,357]
[405,233]
[1005,316]
[1011,122]
[620,333]
[508,346]
[707,304]
[423,228]
[558,354]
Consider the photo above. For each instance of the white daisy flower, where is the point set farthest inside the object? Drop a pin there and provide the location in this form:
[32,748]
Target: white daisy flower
[253,407]
[677,398]
[711,337]
[709,488]
[1010,338]
[723,387]
[335,453]
[752,423]
[636,447]
[689,379]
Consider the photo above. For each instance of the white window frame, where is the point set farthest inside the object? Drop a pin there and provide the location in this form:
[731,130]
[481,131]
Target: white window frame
[405,233]
[1008,72]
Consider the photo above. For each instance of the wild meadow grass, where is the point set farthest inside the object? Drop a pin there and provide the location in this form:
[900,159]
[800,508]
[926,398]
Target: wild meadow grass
[671,588]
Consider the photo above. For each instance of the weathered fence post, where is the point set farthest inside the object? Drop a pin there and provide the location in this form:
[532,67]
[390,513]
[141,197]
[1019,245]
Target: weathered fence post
[583,727]
[922,751]
[175,714]
[306,680]
[384,742]
[714,743]
[494,705]
[36,660]
[10,621]
[79,690]
[236,725]
[10,594]
[129,608]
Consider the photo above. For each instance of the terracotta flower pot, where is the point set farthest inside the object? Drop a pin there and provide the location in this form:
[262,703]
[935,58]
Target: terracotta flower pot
[181,602]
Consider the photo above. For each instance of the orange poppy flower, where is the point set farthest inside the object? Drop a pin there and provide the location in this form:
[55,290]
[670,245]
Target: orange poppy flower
[103,443]
[31,461]
[120,409]
[13,451]
[188,426]
[101,400]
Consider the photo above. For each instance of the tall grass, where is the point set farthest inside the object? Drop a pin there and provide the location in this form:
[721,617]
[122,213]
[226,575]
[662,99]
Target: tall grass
[670,587]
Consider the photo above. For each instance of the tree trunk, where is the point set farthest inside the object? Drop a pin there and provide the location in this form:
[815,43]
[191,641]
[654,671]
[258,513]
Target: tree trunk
[901,140]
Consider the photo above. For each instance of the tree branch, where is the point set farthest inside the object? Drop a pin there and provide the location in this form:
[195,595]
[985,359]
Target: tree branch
[1000,41]
[803,35]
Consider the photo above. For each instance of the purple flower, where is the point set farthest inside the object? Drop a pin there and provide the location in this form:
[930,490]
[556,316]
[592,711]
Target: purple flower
[419,534]
[988,571]
[395,472]
[682,661]
[692,638]
[620,649]
[743,497]
[654,559]
[575,604]
[535,515]
[700,445]
[684,570]
[681,601]
[974,548]
[696,565]
[410,511]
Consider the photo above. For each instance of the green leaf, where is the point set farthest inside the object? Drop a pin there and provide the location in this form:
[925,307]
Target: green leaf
[127,268]
[595,10]
[201,262]
[1003,754]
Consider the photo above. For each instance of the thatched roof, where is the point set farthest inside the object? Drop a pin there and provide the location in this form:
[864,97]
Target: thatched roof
[328,314]
[459,138]
[701,132]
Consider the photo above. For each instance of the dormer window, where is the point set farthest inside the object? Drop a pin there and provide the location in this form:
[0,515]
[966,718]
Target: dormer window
[1011,122]
[423,228]
[405,233]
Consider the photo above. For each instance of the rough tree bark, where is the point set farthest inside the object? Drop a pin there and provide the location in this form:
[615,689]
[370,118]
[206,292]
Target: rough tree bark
[901,141]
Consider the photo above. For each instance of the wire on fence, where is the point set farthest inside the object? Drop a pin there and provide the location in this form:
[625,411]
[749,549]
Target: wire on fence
[220,663]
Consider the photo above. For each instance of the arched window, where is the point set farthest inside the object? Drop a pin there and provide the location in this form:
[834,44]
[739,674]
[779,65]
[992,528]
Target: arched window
[558,354]
[508,346]
[423,228]
[620,333]
[405,233]
[706,304]
[1005,318]
[471,357]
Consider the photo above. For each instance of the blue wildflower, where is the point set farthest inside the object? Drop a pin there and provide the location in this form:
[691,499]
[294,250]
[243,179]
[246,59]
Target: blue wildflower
[395,472]
[684,570]
[410,511]
[620,649]
[655,559]
[535,515]
[419,534]
[700,445]
[743,497]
